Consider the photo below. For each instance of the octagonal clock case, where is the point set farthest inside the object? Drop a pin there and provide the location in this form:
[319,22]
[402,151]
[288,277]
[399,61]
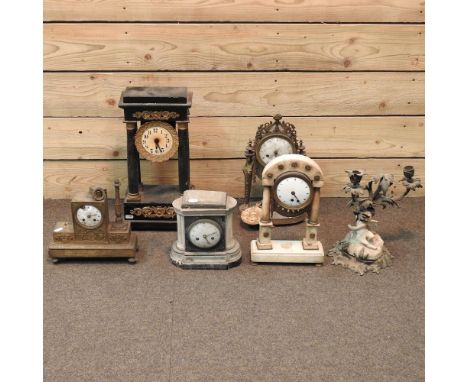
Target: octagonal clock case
[204,231]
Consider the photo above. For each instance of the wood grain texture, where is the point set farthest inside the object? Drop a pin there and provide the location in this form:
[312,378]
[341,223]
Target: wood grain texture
[238,47]
[244,94]
[104,138]
[236,10]
[64,178]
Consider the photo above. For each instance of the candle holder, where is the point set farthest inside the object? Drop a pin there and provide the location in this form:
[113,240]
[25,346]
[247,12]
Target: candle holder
[362,249]
[354,187]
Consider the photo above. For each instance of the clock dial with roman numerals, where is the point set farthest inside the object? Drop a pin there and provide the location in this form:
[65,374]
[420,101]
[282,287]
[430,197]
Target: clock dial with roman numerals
[157,141]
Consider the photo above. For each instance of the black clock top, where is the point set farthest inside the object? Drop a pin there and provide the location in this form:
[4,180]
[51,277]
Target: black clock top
[156,103]
[139,95]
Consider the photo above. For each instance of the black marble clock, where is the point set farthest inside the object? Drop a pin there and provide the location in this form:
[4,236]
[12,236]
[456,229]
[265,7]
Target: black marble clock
[157,120]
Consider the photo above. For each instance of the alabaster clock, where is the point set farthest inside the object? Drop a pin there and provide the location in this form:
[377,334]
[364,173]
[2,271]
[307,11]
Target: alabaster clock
[91,233]
[291,185]
[272,140]
[157,120]
[204,231]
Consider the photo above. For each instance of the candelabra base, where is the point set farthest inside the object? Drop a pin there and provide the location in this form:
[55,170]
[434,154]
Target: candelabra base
[342,257]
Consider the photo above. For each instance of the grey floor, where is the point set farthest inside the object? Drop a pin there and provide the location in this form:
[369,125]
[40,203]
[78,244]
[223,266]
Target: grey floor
[110,321]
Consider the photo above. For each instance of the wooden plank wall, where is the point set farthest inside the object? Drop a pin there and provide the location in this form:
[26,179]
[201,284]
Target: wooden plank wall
[348,73]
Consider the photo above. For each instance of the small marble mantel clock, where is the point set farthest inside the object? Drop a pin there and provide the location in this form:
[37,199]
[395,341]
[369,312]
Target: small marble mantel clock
[157,120]
[291,184]
[204,231]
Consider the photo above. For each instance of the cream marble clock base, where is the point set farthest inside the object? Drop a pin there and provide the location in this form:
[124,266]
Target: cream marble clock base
[210,260]
[286,251]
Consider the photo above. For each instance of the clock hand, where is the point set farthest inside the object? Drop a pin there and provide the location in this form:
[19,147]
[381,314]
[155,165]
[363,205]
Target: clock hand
[206,238]
[294,194]
[156,141]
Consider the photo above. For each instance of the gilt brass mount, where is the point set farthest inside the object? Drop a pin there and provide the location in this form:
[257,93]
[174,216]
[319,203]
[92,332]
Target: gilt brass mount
[156,115]
[158,212]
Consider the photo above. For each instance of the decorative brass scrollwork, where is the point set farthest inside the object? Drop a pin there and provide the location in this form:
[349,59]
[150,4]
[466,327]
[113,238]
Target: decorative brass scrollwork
[154,212]
[160,115]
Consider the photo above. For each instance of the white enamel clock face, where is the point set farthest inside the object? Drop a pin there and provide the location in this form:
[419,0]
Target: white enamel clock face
[89,216]
[293,192]
[204,234]
[274,147]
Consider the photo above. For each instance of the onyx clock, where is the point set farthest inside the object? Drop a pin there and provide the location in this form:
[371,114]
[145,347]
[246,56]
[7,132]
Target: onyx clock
[157,120]
[204,231]
[272,140]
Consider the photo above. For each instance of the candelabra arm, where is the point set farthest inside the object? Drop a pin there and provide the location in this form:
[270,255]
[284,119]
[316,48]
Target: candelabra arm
[410,186]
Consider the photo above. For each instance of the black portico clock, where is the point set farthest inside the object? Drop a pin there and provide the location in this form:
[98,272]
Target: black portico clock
[157,120]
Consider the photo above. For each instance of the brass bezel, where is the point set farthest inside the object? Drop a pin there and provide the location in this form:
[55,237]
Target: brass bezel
[268,137]
[86,227]
[284,207]
[152,157]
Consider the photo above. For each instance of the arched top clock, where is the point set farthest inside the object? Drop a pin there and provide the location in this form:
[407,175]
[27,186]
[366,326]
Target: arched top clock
[275,138]
[272,140]
[291,186]
[292,179]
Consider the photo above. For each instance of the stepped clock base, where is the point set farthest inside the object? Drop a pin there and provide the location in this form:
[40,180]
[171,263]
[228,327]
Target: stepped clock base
[286,251]
[208,260]
[94,250]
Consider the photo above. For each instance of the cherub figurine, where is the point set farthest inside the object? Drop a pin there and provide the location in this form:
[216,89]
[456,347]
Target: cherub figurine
[363,250]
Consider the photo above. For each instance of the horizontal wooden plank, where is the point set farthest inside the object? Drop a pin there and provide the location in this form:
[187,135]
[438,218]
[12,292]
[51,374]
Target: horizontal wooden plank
[233,47]
[244,94]
[105,138]
[63,178]
[236,10]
